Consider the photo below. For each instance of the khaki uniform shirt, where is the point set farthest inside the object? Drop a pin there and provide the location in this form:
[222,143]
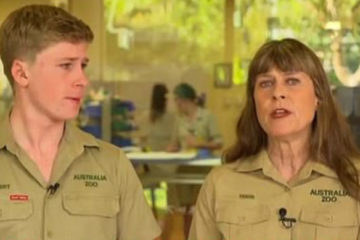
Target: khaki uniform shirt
[203,126]
[241,201]
[99,196]
[156,134]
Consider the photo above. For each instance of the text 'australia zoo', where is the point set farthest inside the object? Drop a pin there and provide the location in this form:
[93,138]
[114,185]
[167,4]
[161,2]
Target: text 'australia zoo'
[329,195]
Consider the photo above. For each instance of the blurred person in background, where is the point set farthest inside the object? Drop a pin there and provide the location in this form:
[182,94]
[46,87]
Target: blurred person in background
[195,130]
[155,125]
[195,127]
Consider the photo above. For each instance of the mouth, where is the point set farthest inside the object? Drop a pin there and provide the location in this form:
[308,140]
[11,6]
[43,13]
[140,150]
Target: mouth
[74,99]
[280,113]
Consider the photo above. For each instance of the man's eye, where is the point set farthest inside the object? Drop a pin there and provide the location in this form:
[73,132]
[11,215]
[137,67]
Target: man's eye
[84,65]
[66,66]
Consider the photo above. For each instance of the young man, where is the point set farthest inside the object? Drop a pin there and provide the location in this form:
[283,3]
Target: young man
[57,182]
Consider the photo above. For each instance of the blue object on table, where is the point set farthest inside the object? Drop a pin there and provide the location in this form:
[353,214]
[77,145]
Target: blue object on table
[204,153]
[121,142]
[93,110]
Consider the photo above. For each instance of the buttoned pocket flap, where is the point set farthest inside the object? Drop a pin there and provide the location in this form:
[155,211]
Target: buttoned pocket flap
[329,217]
[243,216]
[103,206]
[15,210]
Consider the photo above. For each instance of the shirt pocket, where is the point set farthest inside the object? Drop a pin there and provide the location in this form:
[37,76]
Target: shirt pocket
[100,206]
[14,217]
[238,222]
[333,223]
[15,210]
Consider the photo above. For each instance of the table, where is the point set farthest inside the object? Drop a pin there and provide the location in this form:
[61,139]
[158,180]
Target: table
[152,180]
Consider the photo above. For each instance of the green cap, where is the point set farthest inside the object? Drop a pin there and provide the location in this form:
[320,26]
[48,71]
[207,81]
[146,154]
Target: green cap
[185,91]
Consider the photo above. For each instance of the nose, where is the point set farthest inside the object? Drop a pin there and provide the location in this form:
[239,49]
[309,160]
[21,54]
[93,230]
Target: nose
[82,79]
[279,92]
[275,97]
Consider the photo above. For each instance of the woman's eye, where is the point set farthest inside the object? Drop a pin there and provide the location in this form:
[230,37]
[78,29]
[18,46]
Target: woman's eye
[292,81]
[265,83]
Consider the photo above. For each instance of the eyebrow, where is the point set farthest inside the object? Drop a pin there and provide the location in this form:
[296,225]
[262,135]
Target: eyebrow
[285,73]
[72,59]
[264,75]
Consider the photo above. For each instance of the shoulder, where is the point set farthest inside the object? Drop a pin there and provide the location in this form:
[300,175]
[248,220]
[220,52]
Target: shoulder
[206,115]
[102,151]
[219,174]
[204,112]
[239,169]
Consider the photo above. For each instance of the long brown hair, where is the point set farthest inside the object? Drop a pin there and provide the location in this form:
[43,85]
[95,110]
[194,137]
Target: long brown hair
[158,101]
[331,142]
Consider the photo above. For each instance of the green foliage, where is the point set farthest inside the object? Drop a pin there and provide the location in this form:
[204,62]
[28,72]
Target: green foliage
[197,25]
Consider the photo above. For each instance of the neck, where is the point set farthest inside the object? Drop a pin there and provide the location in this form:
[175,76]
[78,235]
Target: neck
[288,156]
[35,131]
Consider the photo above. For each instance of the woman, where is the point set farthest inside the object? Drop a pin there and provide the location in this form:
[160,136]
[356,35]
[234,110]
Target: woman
[196,127]
[195,130]
[155,125]
[291,173]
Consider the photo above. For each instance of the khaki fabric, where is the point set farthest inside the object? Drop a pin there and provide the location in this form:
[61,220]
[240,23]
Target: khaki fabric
[99,196]
[156,135]
[241,201]
[203,126]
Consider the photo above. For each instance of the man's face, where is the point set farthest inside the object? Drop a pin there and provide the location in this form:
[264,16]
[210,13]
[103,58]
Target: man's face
[57,81]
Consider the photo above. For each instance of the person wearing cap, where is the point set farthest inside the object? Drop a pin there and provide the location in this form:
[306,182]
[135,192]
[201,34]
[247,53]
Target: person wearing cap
[195,130]
[57,182]
[292,173]
[196,127]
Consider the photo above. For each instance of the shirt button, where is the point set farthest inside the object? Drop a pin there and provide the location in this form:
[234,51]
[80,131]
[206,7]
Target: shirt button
[329,219]
[286,189]
[50,234]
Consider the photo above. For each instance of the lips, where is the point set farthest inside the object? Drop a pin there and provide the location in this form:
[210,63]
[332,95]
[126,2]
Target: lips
[280,113]
[75,99]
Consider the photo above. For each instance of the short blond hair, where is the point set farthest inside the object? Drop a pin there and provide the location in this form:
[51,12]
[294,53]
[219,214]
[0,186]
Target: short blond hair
[30,29]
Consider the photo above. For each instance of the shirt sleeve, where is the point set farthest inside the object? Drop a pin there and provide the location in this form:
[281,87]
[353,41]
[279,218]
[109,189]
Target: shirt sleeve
[134,212]
[203,225]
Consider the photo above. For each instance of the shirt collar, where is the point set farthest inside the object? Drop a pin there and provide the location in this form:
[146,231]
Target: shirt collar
[76,138]
[252,163]
[322,169]
[262,161]
[6,137]
[72,135]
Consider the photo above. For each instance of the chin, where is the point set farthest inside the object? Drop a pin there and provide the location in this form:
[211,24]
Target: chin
[66,116]
[280,134]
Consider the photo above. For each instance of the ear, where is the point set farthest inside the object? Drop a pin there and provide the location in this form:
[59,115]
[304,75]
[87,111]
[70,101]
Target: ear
[19,72]
[316,103]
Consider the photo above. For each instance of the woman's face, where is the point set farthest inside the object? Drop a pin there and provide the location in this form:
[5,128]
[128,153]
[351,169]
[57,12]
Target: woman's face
[180,104]
[285,104]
